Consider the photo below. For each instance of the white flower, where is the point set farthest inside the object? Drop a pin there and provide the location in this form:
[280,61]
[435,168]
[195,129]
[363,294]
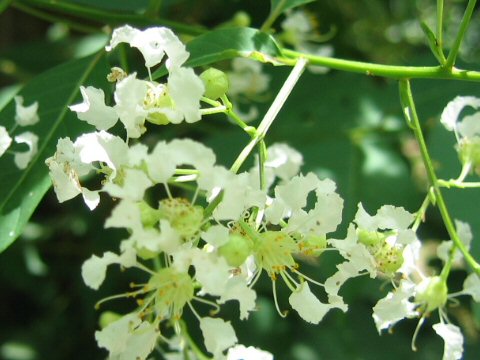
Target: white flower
[307,305]
[240,352]
[465,234]
[25,115]
[284,160]
[387,217]
[186,90]
[5,140]
[128,338]
[129,97]
[395,306]
[22,159]
[247,78]
[471,286]
[133,187]
[218,334]
[93,109]
[211,271]
[237,289]
[95,268]
[453,339]
[453,109]
[153,43]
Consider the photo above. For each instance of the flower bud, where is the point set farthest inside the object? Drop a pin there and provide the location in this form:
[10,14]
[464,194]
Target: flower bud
[236,250]
[370,238]
[149,215]
[108,317]
[432,292]
[216,83]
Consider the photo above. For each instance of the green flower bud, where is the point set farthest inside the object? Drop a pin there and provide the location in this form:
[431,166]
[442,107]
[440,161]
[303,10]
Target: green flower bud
[108,317]
[149,215]
[236,250]
[242,19]
[469,151]
[370,238]
[216,83]
[432,293]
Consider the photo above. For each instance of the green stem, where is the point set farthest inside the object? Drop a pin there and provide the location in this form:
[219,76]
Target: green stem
[452,55]
[458,184]
[271,113]
[274,14]
[110,17]
[412,117]
[388,71]
[439,34]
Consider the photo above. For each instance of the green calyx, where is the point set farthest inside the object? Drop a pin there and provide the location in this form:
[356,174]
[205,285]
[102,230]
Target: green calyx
[432,293]
[236,250]
[216,83]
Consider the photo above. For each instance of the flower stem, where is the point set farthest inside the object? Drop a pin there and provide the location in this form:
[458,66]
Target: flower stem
[274,14]
[452,55]
[388,71]
[412,118]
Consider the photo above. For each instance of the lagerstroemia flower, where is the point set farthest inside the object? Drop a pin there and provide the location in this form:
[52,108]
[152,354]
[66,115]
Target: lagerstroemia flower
[153,43]
[22,159]
[5,140]
[25,115]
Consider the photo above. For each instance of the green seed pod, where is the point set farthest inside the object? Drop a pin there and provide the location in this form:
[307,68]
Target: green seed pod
[236,250]
[216,83]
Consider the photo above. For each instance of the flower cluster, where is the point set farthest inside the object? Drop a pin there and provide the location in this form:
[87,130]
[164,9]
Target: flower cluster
[213,247]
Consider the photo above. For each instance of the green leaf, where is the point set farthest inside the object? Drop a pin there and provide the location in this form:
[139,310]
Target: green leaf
[22,190]
[280,6]
[228,43]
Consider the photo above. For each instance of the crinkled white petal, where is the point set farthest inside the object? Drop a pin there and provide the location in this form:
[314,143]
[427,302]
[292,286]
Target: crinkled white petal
[285,160]
[128,338]
[153,43]
[453,109]
[237,289]
[125,215]
[5,140]
[219,335]
[22,159]
[186,90]
[25,115]
[129,96]
[469,127]
[307,304]
[464,232]
[216,235]
[395,306]
[102,147]
[135,182]
[211,271]
[94,269]
[65,183]
[93,109]
[453,339]
[91,198]
[240,352]
[471,286]
[387,217]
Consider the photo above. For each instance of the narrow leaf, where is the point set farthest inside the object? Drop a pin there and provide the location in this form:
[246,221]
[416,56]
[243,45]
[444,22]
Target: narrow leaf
[22,190]
[228,43]
[433,43]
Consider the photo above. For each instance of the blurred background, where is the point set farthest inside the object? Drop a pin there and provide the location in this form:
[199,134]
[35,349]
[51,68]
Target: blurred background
[348,127]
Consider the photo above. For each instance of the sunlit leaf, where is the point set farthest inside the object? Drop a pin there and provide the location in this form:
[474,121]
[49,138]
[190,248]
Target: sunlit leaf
[22,190]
